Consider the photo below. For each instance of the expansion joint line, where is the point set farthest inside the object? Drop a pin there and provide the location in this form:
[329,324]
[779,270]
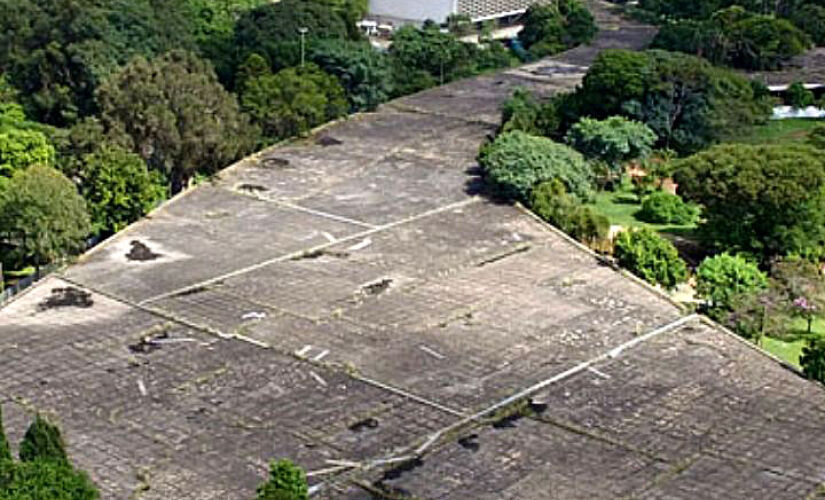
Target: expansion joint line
[293,255]
[434,438]
[299,208]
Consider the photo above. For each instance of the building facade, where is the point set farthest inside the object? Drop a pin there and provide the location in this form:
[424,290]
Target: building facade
[419,11]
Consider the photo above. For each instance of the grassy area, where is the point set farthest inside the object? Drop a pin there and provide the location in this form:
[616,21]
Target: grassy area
[620,207]
[790,348]
[780,131]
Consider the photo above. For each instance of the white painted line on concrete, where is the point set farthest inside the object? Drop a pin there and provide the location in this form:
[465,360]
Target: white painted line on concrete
[304,350]
[318,378]
[599,373]
[552,380]
[361,245]
[329,237]
[321,355]
[317,248]
[431,352]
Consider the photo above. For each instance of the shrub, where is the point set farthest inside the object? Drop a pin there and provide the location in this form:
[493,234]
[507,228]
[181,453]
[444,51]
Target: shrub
[286,481]
[42,442]
[650,257]
[666,208]
[764,200]
[813,360]
[516,162]
[811,19]
[614,140]
[551,202]
[817,137]
[798,96]
[549,29]
[725,279]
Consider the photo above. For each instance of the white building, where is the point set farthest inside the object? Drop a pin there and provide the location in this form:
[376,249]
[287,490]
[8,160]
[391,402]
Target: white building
[420,10]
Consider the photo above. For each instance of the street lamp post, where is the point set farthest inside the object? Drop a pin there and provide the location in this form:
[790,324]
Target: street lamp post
[303,32]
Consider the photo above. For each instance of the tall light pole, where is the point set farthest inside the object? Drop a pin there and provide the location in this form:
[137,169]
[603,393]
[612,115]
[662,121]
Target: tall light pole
[303,32]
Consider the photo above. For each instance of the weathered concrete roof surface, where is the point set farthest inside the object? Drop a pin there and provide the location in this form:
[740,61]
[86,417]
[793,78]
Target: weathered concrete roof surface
[347,297]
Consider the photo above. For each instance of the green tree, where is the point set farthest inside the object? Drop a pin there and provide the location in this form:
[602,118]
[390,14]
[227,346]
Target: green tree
[286,481]
[764,42]
[688,103]
[181,121]
[45,479]
[439,55]
[552,28]
[118,188]
[817,137]
[798,96]
[43,441]
[272,29]
[42,217]
[766,200]
[516,162]
[801,284]
[293,101]
[813,360]
[650,257]
[662,207]
[364,73]
[20,148]
[811,19]
[551,201]
[723,279]
[57,52]
[614,141]
[5,450]
[460,24]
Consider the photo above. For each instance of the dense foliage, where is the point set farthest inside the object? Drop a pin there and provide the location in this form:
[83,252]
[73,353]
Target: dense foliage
[765,200]
[614,141]
[364,73]
[551,201]
[662,207]
[650,257]
[180,119]
[516,162]
[292,101]
[552,28]
[42,217]
[723,279]
[813,360]
[44,470]
[737,38]
[286,481]
[688,103]
[117,187]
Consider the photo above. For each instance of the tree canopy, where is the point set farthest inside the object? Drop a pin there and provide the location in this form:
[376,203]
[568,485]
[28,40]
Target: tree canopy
[42,216]
[180,119]
[516,162]
[615,140]
[286,481]
[767,200]
[688,103]
[650,257]
[555,27]
[293,100]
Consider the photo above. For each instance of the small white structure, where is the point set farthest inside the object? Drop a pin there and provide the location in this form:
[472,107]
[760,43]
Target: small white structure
[418,11]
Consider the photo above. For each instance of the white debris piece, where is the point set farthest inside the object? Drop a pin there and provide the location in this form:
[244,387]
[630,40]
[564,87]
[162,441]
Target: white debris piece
[142,387]
[253,315]
[361,245]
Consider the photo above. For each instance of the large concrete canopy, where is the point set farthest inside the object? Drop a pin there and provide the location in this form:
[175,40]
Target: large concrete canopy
[344,300]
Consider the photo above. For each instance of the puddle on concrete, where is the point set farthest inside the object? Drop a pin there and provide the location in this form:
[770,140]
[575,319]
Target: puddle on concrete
[274,162]
[252,188]
[400,469]
[141,253]
[328,140]
[367,423]
[378,287]
[67,297]
[469,442]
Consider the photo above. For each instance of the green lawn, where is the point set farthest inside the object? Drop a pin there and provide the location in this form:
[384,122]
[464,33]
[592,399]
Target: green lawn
[791,348]
[780,131]
[620,207]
